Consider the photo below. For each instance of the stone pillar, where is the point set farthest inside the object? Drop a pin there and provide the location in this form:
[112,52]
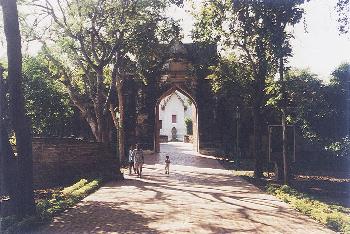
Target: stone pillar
[195,128]
[156,131]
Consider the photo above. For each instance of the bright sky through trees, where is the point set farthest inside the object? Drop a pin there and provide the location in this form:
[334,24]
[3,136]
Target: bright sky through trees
[320,49]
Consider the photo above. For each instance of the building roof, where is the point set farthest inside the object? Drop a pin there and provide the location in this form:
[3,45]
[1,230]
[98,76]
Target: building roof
[167,99]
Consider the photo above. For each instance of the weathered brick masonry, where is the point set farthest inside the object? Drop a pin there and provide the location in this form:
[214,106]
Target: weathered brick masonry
[58,161]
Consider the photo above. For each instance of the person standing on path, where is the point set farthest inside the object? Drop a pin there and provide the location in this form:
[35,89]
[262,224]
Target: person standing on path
[131,160]
[167,164]
[138,159]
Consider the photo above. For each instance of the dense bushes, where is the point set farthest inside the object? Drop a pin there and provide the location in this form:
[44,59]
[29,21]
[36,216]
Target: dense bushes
[46,99]
[189,126]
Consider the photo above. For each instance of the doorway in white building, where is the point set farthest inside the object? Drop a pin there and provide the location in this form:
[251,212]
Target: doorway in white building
[176,119]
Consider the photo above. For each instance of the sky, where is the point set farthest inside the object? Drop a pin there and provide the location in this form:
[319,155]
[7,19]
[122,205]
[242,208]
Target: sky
[321,49]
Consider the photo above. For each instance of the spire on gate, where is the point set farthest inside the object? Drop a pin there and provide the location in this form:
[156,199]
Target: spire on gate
[177,69]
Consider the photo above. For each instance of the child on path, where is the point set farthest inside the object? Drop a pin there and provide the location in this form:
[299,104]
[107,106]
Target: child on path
[167,164]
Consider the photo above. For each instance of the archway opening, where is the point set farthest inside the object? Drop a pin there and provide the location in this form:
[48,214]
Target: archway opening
[176,119]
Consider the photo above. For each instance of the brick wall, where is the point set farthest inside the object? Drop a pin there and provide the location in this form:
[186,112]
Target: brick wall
[58,161]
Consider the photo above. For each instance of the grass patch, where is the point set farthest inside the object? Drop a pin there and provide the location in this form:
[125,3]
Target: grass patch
[243,173]
[333,216]
[47,208]
[70,189]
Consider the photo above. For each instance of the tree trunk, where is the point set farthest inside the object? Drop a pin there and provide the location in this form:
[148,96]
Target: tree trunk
[121,129]
[258,109]
[103,132]
[18,118]
[118,121]
[259,160]
[9,171]
[2,115]
[130,95]
[284,125]
[8,164]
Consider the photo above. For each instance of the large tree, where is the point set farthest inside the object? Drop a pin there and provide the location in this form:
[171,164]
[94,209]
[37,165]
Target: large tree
[278,18]
[97,45]
[17,114]
[256,32]
[242,29]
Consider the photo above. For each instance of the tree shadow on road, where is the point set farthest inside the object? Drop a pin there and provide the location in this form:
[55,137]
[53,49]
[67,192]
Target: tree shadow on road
[99,217]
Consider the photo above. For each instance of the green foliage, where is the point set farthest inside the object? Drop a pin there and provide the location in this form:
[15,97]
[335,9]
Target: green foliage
[317,109]
[46,99]
[231,79]
[306,99]
[337,135]
[255,32]
[317,210]
[249,27]
[340,148]
[47,208]
[78,185]
[209,22]
[103,33]
[66,198]
[189,126]
[343,9]
[94,46]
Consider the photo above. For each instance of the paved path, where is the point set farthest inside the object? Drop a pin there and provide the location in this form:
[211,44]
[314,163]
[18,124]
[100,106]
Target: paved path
[198,196]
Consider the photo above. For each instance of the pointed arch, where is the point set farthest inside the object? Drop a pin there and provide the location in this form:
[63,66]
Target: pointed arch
[186,93]
[181,90]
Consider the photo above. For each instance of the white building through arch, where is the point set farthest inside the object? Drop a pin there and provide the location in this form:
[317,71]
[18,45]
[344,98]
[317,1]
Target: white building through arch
[173,110]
